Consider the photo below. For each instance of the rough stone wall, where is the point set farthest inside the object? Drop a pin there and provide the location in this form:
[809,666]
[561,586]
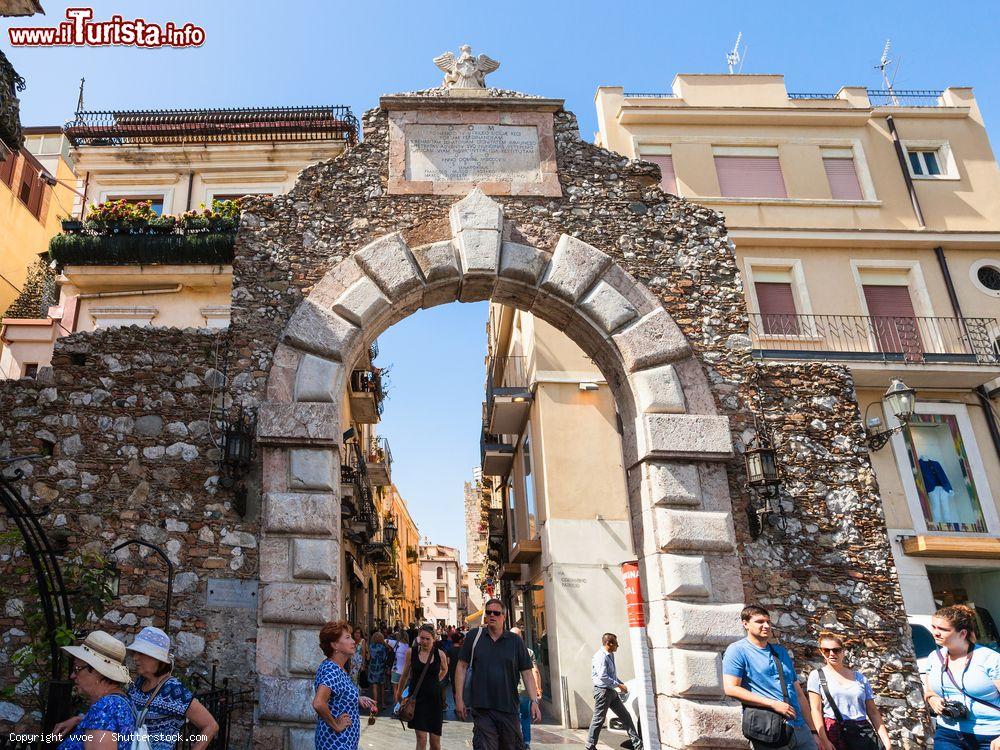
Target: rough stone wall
[129,412]
[286,244]
[38,292]
[831,568]
[473,515]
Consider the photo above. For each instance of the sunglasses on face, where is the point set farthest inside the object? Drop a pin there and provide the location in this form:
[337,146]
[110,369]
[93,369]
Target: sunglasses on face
[77,668]
[493,613]
[832,651]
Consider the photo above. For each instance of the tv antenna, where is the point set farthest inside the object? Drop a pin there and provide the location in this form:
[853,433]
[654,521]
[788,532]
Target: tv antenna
[883,63]
[736,58]
[79,101]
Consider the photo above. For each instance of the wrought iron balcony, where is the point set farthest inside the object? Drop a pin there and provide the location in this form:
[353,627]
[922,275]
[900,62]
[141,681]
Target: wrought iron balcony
[367,396]
[905,98]
[261,124]
[496,456]
[379,462]
[908,340]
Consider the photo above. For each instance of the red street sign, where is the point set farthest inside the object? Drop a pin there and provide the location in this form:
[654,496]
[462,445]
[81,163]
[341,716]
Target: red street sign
[633,595]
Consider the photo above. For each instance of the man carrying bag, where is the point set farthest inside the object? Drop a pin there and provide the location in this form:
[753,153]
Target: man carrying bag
[762,677]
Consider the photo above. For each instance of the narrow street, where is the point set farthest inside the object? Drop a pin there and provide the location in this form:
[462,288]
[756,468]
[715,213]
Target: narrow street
[388,734]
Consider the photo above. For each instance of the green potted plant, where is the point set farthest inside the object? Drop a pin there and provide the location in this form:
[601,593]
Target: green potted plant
[162,224]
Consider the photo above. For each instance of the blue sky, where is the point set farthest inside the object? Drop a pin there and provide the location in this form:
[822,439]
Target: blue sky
[311,52]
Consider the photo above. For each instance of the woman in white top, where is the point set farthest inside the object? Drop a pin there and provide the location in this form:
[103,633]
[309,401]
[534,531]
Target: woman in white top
[842,703]
[401,647]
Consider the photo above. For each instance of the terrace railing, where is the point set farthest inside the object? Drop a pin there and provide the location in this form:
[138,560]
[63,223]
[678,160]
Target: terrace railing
[914,340]
[905,97]
[111,128]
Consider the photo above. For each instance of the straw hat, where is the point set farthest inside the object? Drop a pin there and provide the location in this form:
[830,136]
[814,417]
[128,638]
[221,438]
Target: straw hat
[153,642]
[103,652]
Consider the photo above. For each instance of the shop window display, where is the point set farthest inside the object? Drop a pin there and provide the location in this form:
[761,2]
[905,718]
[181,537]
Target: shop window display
[941,472]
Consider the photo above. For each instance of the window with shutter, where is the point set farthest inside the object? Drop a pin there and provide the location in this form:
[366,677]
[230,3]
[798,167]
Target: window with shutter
[7,169]
[843,178]
[893,321]
[777,308]
[750,177]
[668,179]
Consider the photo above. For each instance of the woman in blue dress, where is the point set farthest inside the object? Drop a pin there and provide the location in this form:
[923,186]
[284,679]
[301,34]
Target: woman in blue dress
[99,673]
[337,698]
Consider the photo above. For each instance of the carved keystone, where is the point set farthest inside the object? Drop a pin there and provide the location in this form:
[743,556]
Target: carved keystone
[476,211]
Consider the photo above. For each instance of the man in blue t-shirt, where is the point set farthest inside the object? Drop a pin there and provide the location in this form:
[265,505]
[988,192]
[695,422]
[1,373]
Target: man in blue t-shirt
[749,675]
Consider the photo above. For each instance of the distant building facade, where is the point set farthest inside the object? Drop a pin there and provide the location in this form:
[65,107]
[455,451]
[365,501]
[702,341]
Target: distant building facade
[440,584]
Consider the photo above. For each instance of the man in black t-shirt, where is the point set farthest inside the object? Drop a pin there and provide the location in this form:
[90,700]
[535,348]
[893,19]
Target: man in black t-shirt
[498,660]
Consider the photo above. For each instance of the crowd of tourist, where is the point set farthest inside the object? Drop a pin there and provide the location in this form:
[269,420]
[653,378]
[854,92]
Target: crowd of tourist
[494,679]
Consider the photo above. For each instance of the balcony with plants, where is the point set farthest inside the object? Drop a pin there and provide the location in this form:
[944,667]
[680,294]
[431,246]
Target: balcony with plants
[379,460]
[125,232]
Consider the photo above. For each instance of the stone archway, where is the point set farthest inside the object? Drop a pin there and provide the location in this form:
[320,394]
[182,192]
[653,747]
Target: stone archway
[673,441]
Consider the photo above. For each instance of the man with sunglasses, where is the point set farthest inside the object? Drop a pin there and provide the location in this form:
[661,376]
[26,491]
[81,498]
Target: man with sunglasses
[607,686]
[498,660]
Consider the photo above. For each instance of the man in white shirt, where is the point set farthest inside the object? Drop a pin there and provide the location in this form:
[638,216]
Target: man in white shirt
[607,687]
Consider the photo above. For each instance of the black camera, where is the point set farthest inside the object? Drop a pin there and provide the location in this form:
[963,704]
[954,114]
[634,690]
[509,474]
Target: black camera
[954,711]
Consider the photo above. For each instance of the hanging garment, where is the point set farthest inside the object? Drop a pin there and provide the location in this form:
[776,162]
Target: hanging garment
[934,475]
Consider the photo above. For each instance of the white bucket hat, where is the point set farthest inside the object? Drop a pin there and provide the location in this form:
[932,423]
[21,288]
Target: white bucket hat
[103,652]
[153,642]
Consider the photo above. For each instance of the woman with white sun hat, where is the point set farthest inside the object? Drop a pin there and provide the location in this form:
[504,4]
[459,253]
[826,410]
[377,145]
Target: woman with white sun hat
[100,675]
[168,704]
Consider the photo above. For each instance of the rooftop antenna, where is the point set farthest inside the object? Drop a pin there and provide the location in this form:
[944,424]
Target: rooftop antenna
[883,63]
[79,101]
[736,58]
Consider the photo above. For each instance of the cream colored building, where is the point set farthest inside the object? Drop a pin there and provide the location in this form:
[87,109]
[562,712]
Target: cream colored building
[867,229]
[440,585]
[558,520]
[179,161]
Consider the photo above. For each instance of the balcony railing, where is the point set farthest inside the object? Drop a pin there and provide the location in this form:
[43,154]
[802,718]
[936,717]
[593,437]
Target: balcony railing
[810,95]
[649,95]
[213,126]
[354,470]
[370,381]
[905,98]
[912,340]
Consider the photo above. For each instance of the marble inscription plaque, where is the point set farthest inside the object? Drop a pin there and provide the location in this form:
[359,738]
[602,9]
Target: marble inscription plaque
[452,151]
[472,153]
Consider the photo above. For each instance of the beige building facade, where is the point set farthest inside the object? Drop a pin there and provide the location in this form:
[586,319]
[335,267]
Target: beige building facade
[179,161]
[440,585]
[558,520]
[867,230]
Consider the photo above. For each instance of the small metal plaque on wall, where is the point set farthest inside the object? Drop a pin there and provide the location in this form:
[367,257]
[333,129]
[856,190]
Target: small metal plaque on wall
[232,592]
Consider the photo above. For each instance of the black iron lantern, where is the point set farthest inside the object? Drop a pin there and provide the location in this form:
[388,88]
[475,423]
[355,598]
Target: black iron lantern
[238,441]
[389,532]
[761,464]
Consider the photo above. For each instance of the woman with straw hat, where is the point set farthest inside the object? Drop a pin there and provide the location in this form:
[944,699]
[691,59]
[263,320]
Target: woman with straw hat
[167,703]
[99,673]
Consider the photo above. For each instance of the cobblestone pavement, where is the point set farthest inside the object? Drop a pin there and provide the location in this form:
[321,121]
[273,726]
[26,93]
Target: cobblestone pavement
[388,734]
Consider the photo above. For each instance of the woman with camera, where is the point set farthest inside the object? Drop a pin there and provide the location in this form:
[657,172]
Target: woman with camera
[962,687]
[842,702]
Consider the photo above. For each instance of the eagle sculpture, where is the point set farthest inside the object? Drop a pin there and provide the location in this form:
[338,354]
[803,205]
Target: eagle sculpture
[465,71]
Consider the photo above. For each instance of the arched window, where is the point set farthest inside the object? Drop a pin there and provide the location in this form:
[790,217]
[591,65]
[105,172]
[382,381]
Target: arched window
[440,572]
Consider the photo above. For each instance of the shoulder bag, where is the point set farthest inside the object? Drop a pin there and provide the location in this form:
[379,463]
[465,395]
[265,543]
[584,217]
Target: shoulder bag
[764,725]
[140,740]
[408,706]
[467,684]
[857,735]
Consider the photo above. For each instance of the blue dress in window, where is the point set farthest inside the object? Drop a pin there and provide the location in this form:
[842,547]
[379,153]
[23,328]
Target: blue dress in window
[343,700]
[112,713]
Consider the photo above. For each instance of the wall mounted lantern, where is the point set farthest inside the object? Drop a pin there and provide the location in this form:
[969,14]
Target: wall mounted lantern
[762,482]
[389,532]
[237,455]
[902,402]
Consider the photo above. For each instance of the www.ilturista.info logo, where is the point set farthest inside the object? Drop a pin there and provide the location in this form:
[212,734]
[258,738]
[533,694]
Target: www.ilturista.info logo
[80,31]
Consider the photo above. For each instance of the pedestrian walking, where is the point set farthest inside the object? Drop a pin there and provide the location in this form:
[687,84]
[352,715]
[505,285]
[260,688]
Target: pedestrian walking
[378,662]
[524,700]
[962,687]
[423,670]
[452,649]
[400,646]
[100,675]
[608,690]
[843,703]
[761,676]
[486,678]
[359,658]
[337,699]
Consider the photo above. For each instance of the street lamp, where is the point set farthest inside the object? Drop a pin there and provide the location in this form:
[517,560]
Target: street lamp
[902,401]
[389,532]
[762,482]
